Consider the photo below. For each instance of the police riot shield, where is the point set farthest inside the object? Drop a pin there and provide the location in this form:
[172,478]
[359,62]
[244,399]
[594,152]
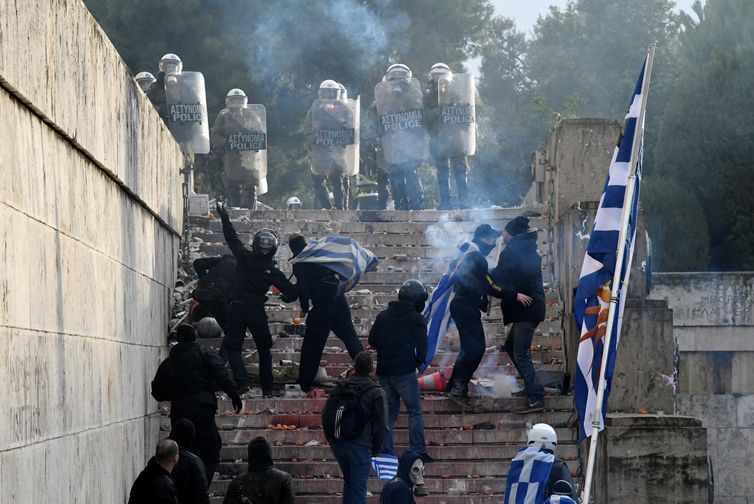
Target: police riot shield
[457,128]
[335,136]
[245,153]
[187,111]
[400,110]
[262,187]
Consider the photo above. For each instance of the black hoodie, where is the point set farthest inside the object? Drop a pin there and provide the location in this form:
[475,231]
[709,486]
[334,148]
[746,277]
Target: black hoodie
[399,335]
[400,489]
[153,486]
[189,474]
[262,483]
[519,269]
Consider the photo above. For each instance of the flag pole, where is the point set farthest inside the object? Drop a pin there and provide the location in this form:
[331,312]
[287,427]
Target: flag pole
[616,285]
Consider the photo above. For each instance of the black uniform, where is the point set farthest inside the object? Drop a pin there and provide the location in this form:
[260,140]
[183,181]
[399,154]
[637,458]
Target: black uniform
[329,312]
[216,278]
[187,379]
[370,149]
[248,295]
[458,165]
[472,286]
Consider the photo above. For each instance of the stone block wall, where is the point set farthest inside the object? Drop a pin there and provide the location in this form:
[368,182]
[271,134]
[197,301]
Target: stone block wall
[713,325]
[90,213]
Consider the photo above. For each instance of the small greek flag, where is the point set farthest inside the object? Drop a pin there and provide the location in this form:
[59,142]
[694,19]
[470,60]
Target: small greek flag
[342,255]
[437,311]
[386,466]
[528,476]
[559,499]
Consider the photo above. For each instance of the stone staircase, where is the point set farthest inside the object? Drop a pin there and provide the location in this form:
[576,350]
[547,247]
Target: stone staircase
[471,463]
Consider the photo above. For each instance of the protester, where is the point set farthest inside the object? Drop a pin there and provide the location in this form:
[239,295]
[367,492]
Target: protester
[329,311]
[257,271]
[354,420]
[562,493]
[262,483]
[187,379]
[399,335]
[154,484]
[189,474]
[216,278]
[408,482]
[519,269]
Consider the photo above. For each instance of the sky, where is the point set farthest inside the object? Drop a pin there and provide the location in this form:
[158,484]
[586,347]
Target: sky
[525,12]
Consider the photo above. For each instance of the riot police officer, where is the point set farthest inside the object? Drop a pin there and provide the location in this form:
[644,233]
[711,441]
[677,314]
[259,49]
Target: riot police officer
[401,115]
[449,137]
[169,63]
[145,80]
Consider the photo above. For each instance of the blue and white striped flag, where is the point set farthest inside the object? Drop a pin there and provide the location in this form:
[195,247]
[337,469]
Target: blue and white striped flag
[559,499]
[437,311]
[528,476]
[342,255]
[592,299]
[386,466]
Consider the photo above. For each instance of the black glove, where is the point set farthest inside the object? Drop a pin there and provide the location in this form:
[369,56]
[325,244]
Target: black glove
[237,403]
[222,211]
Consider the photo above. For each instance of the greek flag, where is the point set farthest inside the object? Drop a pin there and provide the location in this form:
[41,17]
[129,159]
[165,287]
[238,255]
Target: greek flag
[528,476]
[386,466]
[342,255]
[593,294]
[559,499]
[437,311]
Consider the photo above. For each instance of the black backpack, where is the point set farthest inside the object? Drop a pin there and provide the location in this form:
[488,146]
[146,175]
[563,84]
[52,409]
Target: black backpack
[345,415]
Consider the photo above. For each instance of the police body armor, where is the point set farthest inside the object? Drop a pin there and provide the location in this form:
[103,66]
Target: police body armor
[335,137]
[456,96]
[186,102]
[400,110]
[244,133]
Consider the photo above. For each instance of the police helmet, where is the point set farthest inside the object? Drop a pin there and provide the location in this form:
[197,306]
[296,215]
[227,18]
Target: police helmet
[265,243]
[329,90]
[145,80]
[236,99]
[171,63]
[398,71]
[542,435]
[414,292]
[438,70]
[209,328]
[293,203]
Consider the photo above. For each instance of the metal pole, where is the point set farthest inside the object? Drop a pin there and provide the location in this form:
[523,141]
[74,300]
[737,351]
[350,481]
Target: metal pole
[185,249]
[616,285]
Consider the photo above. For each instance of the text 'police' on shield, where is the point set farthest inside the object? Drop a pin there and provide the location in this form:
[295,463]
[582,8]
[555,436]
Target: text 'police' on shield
[410,119]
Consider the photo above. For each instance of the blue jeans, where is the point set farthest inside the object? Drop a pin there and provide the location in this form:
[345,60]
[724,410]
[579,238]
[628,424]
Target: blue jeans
[518,346]
[355,462]
[404,387]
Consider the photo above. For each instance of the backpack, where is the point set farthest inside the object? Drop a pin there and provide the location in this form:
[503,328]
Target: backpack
[344,416]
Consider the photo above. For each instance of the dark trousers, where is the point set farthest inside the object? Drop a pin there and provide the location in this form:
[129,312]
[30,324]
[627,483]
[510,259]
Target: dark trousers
[405,387]
[355,463]
[239,193]
[207,441]
[406,187]
[252,316]
[325,316]
[518,346]
[468,319]
[459,166]
[215,309]
[340,189]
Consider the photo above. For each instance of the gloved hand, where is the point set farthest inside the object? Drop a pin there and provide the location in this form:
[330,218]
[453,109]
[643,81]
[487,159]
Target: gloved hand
[222,212]
[237,403]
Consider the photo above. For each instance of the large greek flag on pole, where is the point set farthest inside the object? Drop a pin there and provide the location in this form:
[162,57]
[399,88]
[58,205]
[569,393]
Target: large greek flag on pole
[437,311]
[593,295]
[342,255]
[528,476]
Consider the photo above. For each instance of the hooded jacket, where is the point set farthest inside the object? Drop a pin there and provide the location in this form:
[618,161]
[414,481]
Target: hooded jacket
[400,489]
[216,278]
[189,474]
[399,335]
[519,269]
[473,283]
[153,486]
[262,483]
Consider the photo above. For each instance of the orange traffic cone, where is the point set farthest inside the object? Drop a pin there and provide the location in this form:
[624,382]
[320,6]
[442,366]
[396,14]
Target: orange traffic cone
[434,382]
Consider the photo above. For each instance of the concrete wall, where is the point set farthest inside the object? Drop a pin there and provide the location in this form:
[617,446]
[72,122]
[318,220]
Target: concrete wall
[90,208]
[713,319]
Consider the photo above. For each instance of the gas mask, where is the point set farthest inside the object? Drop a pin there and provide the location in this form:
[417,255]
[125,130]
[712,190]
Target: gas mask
[417,478]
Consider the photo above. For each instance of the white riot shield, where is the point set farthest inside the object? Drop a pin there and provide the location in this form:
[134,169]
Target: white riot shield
[245,156]
[187,111]
[400,109]
[335,136]
[262,187]
[456,95]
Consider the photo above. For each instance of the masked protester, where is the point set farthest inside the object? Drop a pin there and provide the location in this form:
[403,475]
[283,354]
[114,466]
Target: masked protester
[408,483]
[399,335]
[262,483]
[187,379]
[562,493]
[519,268]
[212,294]
[257,271]
[189,473]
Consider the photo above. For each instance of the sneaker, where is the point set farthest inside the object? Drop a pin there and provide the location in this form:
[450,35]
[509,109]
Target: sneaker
[531,407]
[459,397]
